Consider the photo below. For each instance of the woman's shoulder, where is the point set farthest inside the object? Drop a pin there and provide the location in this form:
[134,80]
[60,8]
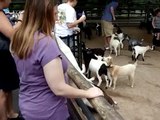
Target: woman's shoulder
[39,36]
[43,40]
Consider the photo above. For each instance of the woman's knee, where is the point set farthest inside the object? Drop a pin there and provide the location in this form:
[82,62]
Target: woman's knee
[3,96]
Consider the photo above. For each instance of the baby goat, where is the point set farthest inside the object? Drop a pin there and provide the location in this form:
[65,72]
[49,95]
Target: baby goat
[99,68]
[121,36]
[134,42]
[89,53]
[140,50]
[125,70]
[115,44]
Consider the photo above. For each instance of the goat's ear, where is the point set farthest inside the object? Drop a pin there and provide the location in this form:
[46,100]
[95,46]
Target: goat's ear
[95,55]
[111,66]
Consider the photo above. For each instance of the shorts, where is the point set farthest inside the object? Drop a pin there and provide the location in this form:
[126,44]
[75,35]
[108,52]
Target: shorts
[107,28]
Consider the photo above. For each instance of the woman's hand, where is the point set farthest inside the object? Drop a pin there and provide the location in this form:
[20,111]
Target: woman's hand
[94,92]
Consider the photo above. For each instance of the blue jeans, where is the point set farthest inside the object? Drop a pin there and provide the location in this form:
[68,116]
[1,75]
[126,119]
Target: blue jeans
[68,40]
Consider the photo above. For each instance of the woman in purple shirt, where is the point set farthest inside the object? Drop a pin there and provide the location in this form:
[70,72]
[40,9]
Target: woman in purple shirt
[41,66]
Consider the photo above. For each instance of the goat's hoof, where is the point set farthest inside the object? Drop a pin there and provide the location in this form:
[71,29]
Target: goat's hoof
[115,103]
[106,87]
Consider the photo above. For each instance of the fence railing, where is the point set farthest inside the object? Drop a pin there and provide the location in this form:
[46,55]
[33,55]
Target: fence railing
[100,104]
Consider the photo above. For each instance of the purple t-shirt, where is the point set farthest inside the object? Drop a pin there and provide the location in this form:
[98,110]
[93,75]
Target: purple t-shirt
[36,100]
[107,15]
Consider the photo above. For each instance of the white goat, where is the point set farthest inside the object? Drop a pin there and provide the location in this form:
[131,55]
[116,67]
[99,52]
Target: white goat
[122,37]
[99,68]
[115,44]
[140,50]
[125,70]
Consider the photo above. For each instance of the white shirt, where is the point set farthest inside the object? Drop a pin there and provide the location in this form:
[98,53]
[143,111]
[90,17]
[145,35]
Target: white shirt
[66,14]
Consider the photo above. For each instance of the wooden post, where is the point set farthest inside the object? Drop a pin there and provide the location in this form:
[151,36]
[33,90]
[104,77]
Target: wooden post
[105,110]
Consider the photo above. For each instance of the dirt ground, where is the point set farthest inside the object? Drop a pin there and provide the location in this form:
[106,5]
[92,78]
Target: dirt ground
[143,101]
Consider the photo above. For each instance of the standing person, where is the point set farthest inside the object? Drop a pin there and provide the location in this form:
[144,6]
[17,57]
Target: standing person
[156,23]
[67,21]
[9,79]
[107,18]
[42,67]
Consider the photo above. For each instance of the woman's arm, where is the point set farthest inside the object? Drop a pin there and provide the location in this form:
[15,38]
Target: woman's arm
[5,26]
[55,79]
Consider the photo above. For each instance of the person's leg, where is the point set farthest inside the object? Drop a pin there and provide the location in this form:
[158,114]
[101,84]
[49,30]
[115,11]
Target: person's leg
[104,25]
[9,105]
[108,32]
[3,113]
[103,32]
[107,41]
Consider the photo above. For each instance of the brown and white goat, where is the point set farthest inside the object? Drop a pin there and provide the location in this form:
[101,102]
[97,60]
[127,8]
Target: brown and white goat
[125,70]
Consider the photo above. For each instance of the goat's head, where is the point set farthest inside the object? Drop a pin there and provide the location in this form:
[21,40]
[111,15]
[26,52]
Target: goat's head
[134,42]
[114,36]
[108,60]
[126,37]
[150,47]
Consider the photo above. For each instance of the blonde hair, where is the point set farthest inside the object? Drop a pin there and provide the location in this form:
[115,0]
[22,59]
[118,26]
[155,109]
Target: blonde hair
[38,17]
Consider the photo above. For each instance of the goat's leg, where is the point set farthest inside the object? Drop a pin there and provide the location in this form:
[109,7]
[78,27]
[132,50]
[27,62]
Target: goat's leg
[121,45]
[133,55]
[114,82]
[106,78]
[99,80]
[119,50]
[143,56]
[110,79]
[136,56]
[92,79]
[110,49]
[131,79]
[115,50]
[88,73]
